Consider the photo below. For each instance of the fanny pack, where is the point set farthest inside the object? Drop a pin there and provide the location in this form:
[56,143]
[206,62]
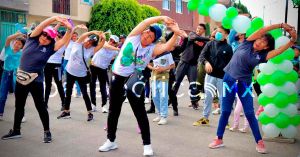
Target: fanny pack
[25,78]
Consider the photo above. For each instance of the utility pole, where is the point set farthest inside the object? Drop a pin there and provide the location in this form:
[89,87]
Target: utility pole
[286,13]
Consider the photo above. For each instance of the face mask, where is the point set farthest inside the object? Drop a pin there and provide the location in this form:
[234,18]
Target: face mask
[236,38]
[218,36]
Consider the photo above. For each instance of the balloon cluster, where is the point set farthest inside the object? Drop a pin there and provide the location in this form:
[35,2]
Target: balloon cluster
[279,95]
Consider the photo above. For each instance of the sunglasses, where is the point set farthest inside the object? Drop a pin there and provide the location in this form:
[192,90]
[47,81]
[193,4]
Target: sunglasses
[46,35]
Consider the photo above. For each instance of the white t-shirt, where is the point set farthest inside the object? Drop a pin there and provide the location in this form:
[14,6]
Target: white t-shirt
[57,56]
[103,57]
[124,63]
[163,61]
[68,50]
[76,66]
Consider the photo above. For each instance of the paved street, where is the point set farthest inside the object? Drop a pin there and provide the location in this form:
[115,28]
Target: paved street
[76,137]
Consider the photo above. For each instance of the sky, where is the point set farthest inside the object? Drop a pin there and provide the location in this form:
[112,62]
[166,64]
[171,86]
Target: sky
[272,11]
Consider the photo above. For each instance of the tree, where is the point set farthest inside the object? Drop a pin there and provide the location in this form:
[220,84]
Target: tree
[242,8]
[119,16]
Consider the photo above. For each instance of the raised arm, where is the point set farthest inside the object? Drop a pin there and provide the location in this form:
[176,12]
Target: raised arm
[38,30]
[65,38]
[266,29]
[144,24]
[12,37]
[73,30]
[106,45]
[100,42]
[281,49]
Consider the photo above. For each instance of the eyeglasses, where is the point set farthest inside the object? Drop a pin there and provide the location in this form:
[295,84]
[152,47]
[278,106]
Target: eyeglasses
[150,36]
[46,35]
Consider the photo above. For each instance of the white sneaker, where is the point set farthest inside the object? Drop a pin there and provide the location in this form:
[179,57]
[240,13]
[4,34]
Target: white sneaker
[107,146]
[148,151]
[163,121]
[104,109]
[94,108]
[126,100]
[23,119]
[157,119]
[147,100]
[1,117]
[202,96]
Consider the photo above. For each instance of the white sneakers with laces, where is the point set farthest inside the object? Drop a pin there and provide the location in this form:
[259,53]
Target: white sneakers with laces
[107,146]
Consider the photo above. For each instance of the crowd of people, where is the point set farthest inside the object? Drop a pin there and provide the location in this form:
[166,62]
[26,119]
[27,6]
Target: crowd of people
[151,61]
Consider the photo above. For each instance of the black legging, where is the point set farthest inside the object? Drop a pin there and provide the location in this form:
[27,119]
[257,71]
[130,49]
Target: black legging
[53,70]
[116,98]
[83,87]
[37,91]
[102,76]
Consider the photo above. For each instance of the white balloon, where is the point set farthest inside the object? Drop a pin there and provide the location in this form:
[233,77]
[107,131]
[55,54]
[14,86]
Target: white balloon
[269,90]
[270,130]
[291,110]
[289,132]
[217,12]
[281,41]
[288,88]
[286,66]
[271,110]
[266,68]
[241,23]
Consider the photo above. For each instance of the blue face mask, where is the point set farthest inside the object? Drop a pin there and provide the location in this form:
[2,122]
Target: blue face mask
[218,36]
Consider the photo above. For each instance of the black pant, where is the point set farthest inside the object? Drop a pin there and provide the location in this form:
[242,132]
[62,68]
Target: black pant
[117,96]
[191,72]
[83,87]
[172,94]
[102,76]
[53,70]
[37,91]
[257,88]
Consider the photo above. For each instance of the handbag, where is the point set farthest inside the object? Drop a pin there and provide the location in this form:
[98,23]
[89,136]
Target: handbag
[24,77]
[136,81]
[87,78]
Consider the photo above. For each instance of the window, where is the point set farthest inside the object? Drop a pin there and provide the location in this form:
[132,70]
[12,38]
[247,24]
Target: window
[178,6]
[166,4]
[61,6]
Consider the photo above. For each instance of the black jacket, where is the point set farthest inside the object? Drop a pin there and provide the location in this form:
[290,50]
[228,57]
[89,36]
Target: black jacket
[192,50]
[218,54]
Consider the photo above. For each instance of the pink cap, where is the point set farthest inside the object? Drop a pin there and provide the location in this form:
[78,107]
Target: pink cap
[50,31]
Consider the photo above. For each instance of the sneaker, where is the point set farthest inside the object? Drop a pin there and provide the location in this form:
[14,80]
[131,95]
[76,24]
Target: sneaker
[147,100]
[126,100]
[244,130]
[175,113]
[241,114]
[148,151]
[260,147]
[216,111]
[1,117]
[104,109]
[234,129]
[47,137]
[195,105]
[157,119]
[23,119]
[12,135]
[107,146]
[94,108]
[227,126]
[163,121]
[202,96]
[90,117]
[105,127]
[151,110]
[64,115]
[217,143]
[202,121]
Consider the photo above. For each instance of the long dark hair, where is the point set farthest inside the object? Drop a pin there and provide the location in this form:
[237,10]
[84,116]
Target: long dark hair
[271,41]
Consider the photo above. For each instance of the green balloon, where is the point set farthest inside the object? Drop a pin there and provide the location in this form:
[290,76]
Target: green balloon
[263,100]
[278,59]
[231,12]
[295,120]
[280,100]
[209,3]
[292,76]
[249,32]
[263,79]
[276,33]
[203,10]
[264,119]
[293,99]
[278,78]
[289,54]
[257,23]
[192,5]
[282,120]
[227,22]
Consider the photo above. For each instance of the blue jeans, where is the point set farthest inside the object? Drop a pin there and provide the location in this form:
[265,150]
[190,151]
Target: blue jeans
[65,62]
[212,86]
[160,96]
[244,91]
[8,80]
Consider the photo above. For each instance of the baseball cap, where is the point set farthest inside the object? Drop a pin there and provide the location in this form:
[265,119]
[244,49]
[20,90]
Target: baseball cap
[122,36]
[156,30]
[50,31]
[115,38]
[94,38]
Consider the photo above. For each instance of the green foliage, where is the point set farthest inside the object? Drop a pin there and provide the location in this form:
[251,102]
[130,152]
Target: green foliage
[119,16]
[242,8]
[296,2]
